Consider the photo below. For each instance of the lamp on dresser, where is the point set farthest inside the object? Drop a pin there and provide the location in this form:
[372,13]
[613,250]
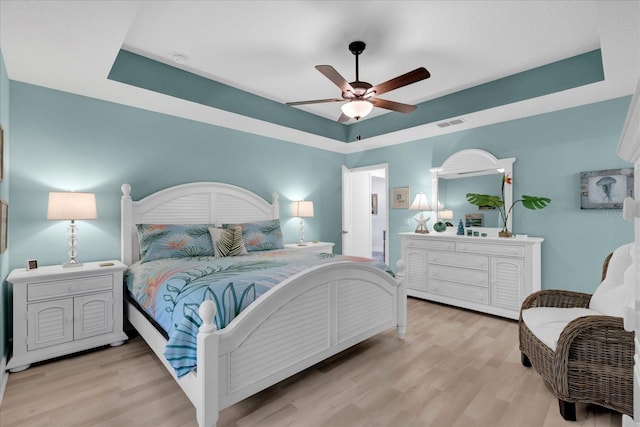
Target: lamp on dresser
[420,203]
[446,215]
[302,209]
[72,206]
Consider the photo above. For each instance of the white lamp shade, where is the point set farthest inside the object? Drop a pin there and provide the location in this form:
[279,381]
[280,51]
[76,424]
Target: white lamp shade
[303,208]
[71,205]
[446,214]
[357,109]
[420,203]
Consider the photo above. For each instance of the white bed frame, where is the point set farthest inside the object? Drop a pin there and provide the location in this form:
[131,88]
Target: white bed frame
[298,323]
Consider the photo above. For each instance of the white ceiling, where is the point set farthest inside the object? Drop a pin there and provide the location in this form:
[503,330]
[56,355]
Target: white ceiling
[270,48]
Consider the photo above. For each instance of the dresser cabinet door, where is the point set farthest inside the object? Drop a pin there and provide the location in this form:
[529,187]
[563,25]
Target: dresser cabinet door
[49,323]
[93,315]
[507,282]
[416,261]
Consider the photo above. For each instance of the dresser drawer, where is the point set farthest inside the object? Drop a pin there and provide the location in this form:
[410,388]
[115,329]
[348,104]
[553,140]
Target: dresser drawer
[65,288]
[488,248]
[460,275]
[431,244]
[459,291]
[478,262]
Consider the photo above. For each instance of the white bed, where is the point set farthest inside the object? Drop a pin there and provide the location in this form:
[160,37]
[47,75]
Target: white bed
[226,373]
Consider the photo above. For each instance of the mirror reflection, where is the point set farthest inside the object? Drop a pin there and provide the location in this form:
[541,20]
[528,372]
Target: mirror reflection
[453,197]
[471,171]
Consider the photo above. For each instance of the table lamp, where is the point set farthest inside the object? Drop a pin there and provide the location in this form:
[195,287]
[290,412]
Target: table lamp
[72,206]
[302,209]
[420,203]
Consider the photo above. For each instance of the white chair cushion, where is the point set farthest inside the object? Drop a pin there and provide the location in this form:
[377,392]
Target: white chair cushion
[615,292]
[547,323]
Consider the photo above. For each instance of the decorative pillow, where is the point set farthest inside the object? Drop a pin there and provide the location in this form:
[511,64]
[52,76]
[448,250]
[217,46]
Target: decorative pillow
[158,241]
[261,235]
[617,289]
[227,241]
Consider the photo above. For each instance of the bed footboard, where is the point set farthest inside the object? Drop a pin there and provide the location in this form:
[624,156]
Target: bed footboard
[303,321]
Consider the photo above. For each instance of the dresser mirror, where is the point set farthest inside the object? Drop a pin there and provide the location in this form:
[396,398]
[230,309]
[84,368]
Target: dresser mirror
[471,171]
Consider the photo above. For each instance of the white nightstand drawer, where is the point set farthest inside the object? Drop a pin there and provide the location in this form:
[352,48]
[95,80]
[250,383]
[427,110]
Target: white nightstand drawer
[64,288]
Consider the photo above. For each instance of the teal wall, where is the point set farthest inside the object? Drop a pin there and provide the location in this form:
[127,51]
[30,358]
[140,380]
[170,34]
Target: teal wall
[69,142]
[551,150]
[4,194]
[61,141]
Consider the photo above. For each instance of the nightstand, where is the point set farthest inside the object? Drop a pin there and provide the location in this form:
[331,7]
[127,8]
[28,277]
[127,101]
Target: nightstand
[59,311]
[317,247]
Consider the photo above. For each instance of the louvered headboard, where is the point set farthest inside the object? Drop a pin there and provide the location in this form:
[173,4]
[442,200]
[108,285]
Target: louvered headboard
[195,203]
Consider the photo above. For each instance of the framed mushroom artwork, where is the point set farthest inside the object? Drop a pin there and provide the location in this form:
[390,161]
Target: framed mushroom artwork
[605,189]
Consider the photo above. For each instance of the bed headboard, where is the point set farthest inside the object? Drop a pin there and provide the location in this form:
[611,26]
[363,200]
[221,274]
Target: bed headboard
[195,203]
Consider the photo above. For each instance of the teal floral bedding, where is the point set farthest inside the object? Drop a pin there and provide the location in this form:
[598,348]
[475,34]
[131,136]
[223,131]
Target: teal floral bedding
[171,290]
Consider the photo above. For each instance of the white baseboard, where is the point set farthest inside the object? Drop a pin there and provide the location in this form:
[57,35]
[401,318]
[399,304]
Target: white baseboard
[4,376]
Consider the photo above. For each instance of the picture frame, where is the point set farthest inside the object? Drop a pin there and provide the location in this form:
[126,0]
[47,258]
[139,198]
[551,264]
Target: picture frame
[4,222]
[400,198]
[605,189]
[474,220]
[374,204]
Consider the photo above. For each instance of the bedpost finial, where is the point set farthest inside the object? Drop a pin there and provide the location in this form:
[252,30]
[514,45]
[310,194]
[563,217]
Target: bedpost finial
[207,312]
[275,197]
[126,190]
[401,266]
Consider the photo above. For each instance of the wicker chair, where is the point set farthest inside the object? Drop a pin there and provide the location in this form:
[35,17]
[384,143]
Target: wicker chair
[593,358]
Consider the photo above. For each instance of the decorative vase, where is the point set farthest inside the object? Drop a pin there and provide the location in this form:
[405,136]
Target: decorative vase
[440,227]
[505,233]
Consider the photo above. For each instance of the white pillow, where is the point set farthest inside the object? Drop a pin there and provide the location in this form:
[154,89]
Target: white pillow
[614,293]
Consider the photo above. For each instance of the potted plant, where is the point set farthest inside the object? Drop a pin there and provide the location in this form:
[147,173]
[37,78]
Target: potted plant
[497,202]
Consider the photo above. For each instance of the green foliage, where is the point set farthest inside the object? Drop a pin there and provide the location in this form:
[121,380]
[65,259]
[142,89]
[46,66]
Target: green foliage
[535,202]
[485,200]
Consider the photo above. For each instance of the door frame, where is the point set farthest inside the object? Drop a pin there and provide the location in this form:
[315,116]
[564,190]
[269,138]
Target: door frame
[347,198]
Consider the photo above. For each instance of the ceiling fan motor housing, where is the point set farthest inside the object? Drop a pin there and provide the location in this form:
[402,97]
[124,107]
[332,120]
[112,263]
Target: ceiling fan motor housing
[357,47]
[360,90]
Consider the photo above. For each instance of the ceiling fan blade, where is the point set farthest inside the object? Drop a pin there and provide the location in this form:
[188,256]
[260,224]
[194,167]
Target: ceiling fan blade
[316,101]
[392,105]
[335,77]
[403,80]
[343,118]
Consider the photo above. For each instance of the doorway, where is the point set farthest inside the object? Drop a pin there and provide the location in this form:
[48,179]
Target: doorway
[365,212]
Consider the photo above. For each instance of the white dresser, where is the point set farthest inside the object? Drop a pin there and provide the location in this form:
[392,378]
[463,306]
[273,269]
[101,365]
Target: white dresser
[488,274]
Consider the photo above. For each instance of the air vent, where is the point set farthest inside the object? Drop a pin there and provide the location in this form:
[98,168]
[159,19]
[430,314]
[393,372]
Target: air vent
[450,123]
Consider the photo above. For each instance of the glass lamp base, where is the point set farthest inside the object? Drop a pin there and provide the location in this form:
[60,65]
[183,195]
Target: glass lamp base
[71,263]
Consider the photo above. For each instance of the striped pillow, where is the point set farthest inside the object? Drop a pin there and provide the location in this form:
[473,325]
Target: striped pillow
[227,242]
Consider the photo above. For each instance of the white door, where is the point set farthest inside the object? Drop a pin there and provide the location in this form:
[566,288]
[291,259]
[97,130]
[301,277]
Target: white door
[356,209]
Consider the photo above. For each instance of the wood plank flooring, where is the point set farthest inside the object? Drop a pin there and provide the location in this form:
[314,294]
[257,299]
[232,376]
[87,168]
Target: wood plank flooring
[456,368]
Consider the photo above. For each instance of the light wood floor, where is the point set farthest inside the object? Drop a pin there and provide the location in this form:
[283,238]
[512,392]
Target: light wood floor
[454,369]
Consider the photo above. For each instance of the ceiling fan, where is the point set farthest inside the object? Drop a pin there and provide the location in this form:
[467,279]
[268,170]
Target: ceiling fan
[362,96]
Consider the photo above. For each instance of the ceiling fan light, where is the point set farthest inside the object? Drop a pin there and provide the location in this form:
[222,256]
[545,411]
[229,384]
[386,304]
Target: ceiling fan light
[357,109]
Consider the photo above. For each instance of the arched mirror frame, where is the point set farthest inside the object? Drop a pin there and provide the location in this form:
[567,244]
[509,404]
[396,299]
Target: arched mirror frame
[469,163]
